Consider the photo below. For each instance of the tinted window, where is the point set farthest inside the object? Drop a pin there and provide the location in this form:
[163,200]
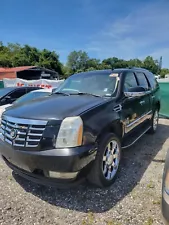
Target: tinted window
[97,83]
[142,80]
[152,80]
[130,81]
[18,93]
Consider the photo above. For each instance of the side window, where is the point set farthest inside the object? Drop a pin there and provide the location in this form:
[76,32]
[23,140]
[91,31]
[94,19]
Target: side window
[152,80]
[142,80]
[17,93]
[130,81]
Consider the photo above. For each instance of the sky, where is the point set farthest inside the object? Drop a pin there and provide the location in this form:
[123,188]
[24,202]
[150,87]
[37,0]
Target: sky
[103,28]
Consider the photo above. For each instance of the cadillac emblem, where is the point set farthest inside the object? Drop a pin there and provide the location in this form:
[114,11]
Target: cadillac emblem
[13,133]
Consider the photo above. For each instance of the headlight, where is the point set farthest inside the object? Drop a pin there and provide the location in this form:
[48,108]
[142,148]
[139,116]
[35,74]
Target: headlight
[70,133]
[167,182]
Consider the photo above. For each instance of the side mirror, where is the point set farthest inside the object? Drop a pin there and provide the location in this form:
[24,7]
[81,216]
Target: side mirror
[135,92]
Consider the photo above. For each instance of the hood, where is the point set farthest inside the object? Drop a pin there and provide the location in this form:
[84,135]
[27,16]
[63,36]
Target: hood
[55,107]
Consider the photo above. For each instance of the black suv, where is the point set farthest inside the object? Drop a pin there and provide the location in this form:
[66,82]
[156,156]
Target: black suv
[80,130]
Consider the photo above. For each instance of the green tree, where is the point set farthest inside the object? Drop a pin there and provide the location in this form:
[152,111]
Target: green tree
[50,60]
[150,64]
[164,72]
[14,55]
[93,64]
[5,58]
[135,63]
[115,63]
[77,61]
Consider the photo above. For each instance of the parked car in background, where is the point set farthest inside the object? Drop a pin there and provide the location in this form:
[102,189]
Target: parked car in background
[26,98]
[9,94]
[157,76]
[165,191]
[80,130]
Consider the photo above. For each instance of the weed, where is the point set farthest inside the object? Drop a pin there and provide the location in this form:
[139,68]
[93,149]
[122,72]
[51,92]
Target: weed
[151,185]
[89,220]
[149,221]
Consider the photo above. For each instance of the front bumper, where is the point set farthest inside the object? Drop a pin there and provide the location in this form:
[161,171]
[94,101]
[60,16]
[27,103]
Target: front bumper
[37,165]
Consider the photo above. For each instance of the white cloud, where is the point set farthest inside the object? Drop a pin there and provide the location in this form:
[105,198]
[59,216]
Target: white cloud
[143,32]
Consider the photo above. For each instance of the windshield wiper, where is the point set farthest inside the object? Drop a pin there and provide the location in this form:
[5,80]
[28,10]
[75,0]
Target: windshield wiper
[61,93]
[84,93]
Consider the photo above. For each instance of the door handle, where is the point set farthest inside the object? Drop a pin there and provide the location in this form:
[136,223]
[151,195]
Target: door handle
[142,102]
[152,96]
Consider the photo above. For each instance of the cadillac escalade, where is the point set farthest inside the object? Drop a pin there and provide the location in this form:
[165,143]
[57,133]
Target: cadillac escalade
[79,132]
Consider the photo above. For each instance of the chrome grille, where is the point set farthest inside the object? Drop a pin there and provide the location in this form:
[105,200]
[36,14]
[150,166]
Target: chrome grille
[22,132]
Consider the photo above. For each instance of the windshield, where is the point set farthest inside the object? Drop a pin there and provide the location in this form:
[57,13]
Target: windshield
[30,96]
[100,84]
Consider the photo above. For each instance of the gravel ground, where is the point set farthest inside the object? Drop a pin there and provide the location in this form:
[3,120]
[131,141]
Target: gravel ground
[133,199]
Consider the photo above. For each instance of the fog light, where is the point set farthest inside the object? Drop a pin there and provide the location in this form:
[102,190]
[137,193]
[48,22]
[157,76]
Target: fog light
[60,175]
[167,182]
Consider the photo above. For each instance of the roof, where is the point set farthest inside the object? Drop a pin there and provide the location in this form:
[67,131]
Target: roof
[115,70]
[15,69]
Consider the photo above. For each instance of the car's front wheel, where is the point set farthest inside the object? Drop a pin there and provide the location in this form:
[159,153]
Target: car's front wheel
[106,164]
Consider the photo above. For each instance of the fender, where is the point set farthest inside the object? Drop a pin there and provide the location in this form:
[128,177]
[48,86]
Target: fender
[101,119]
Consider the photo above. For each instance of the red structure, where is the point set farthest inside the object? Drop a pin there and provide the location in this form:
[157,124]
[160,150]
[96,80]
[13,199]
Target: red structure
[28,73]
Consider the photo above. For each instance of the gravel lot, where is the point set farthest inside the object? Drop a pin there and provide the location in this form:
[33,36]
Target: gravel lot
[133,199]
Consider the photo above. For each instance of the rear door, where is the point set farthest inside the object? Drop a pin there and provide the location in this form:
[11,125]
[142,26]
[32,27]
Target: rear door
[154,89]
[145,105]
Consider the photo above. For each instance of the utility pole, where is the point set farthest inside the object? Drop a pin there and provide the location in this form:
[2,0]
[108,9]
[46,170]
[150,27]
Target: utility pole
[160,64]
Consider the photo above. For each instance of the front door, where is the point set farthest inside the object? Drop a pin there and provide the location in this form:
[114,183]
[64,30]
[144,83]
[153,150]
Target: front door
[133,112]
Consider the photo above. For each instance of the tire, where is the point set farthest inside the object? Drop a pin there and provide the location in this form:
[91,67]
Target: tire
[154,122]
[97,175]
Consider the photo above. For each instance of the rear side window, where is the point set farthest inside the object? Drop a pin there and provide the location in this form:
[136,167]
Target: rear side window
[142,80]
[130,81]
[152,80]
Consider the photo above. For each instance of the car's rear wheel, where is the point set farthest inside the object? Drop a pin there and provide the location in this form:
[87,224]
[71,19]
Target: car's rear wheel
[106,165]
[154,122]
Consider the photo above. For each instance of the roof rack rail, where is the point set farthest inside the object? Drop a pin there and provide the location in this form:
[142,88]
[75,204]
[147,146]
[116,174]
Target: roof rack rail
[134,67]
[139,68]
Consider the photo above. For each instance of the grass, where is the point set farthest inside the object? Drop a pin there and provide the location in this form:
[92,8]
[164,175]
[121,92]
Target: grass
[89,220]
[10,177]
[158,202]
[134,194]
[112,222]
[150,185]
[149,221]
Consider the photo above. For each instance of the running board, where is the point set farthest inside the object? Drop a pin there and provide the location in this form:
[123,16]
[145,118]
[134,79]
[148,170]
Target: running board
[135,140]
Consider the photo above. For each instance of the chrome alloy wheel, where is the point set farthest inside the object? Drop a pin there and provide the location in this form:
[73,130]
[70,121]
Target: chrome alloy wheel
[155,120]
[111,159]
